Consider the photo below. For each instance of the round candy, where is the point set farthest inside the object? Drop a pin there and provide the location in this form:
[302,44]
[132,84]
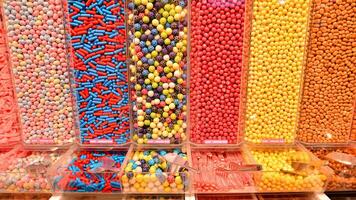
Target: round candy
[36,38]
[217,30]
[273,179]
[26,171]
[330,75]
[148,171]
[278,35]
[158,50]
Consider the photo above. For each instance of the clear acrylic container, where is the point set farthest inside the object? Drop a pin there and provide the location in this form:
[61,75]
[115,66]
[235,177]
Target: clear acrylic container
[88,170]
[147,171]
[159,71]
[289,168]
[38,61]
[10,134]
[222,170]
[25,171]
[275,70]
[344,177]
[329,92]
[99,72]
[217,70]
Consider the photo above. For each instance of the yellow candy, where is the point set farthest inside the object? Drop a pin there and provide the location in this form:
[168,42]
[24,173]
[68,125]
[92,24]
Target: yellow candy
[275,70]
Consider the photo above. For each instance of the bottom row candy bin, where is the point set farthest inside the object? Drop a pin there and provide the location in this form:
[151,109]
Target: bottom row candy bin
[151,170]
[88,171]
[289,169]
[222,170]
[341,159]
[24,171]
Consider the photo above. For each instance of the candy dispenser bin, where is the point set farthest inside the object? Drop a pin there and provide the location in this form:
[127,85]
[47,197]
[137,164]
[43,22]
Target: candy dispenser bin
[97,43]
[157,170]
[217,37]
[25,171]
[277,50]
[88,170]
[289,169]
[222,170]
[10,134]
[36,43]
[344,177]
[158,36]
[330,75]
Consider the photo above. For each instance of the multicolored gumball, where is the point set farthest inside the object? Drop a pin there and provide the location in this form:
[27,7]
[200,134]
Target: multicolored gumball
[158,50]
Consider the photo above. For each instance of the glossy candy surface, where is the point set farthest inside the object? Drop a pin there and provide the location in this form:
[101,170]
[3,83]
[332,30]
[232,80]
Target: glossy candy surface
[217,29]
[36,40]
[330,74]
[98,36]
[158,50]
[91,171]
[147,171]
[278,37]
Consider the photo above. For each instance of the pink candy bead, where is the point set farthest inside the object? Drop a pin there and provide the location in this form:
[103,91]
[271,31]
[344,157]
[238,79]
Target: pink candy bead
[36,37]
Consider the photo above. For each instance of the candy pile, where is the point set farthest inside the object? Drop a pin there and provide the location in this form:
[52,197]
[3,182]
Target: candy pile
[212,175]
[36,39]
[217,29]
[330,75]
[158,49]
[278,36]
[9,123]
[26,172]
[345,175]
[91,171]
[353,129]
[148,171]
[98,35]
[276,164]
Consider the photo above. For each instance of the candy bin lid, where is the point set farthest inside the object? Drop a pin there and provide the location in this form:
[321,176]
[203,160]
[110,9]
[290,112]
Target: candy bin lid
[26,171]
[88,170]
[157,170]
[289,168]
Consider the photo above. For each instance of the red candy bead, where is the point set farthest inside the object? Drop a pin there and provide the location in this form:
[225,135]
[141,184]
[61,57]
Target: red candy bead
[216,64]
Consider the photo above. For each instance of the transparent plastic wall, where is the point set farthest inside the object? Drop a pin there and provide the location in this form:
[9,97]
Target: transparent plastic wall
[88,170]
[97,38]
[216,70]
[278,37]
[339,159]
[9,122]
[26,171]
[156,170]
[158,63]
[36,42]
[330,75]
[289,169]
